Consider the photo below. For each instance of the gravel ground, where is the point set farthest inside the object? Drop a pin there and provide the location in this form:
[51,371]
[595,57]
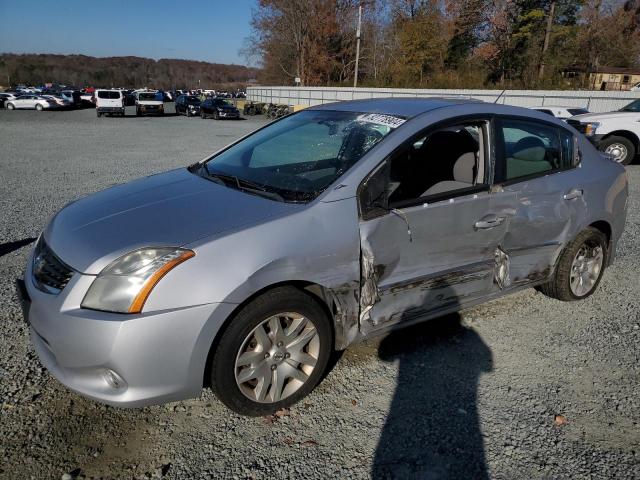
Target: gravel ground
[523,387]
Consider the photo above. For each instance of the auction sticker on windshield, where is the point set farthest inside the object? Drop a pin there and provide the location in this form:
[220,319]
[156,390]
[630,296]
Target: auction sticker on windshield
[386,120]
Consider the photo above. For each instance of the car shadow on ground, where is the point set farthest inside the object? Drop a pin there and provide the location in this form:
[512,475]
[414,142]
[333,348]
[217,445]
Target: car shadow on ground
[8,247]
[432,430]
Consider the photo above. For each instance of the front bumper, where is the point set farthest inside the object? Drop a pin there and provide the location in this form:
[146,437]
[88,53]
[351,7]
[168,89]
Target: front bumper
[229,114]
[151,109]
[159,356]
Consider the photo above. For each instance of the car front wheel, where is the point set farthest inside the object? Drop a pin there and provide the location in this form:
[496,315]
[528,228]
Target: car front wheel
[10,106]
[579,268]
[39,107]
[273,353]
[620,148]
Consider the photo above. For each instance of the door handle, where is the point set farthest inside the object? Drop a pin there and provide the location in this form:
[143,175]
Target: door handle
[489,221]
[573,194]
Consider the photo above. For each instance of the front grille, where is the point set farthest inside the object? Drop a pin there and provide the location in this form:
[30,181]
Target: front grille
[577,125]
[50,273]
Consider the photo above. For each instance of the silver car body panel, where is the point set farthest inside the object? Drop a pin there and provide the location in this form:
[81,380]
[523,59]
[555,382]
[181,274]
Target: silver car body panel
[371,274]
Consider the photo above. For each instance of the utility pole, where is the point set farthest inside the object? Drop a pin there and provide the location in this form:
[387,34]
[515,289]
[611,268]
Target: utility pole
[355,76]
[547,34]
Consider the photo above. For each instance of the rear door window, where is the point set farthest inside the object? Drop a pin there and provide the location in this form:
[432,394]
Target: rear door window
[532,149]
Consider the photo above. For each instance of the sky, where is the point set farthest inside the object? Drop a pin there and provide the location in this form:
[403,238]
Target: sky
[211,31]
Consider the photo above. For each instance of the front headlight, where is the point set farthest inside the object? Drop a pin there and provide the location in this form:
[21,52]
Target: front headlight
[125,284]
[590,128]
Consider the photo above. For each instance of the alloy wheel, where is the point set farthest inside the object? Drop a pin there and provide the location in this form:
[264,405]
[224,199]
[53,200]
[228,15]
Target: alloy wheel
[586,268]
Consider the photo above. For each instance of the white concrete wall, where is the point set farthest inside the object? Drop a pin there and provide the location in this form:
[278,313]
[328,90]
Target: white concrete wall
[595,101]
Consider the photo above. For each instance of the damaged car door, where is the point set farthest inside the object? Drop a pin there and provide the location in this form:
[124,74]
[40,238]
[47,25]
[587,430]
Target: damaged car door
[538,185]
[429,235]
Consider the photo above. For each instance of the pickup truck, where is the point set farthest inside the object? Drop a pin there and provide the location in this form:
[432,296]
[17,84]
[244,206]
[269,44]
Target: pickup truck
[615,133]
[149,103]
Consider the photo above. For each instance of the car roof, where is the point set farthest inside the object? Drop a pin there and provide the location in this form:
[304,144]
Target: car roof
[404,107]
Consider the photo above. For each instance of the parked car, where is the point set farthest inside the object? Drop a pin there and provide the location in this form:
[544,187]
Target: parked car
[336,223]
[129,98]
[109,102]
[188,105]
[149,103]
[71,96]
[6,97]
[561,112]
[615,133]
[31,101]
[218,109]
[59,101]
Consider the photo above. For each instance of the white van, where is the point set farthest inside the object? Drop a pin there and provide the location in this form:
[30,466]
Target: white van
[109,102]
[149,103]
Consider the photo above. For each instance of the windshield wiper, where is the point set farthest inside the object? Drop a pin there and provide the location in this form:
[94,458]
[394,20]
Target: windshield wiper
[243,185]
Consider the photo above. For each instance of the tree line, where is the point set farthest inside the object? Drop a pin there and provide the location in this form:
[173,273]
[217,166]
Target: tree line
[135,72]
[443,43]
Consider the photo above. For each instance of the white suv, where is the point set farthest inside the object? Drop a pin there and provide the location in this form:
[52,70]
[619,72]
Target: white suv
[615,133]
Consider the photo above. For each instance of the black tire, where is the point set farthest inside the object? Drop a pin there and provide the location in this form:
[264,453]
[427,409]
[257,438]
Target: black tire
[202,115]
[39,107]
[278,300]
[98,114]
[138,113]
[559,286]
[216,115]
[11,106]
[628,144]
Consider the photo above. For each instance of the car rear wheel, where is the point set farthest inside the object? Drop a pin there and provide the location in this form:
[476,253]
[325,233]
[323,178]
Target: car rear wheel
[202,115]
[620,148]
[579,268]
[216,115]
[273,353]
[39,107]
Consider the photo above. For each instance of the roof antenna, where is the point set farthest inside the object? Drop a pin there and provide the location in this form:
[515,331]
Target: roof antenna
[501,93]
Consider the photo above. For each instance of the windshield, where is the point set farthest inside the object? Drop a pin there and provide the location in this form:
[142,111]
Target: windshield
[301,155]
[147,96]
[632,107]
[193,100]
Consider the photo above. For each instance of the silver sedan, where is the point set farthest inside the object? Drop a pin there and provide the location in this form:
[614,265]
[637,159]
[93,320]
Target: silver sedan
[245,271]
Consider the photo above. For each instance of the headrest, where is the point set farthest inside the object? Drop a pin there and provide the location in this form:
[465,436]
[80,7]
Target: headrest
[531,154]
[464,168]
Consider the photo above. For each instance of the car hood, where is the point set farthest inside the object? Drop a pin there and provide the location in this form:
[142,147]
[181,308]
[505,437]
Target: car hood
[594,117]
[169,209]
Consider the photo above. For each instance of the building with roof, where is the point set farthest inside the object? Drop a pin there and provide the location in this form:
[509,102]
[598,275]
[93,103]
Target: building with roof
[614,78]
